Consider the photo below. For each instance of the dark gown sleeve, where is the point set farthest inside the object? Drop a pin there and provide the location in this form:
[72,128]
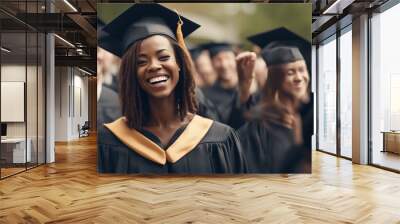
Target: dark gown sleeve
[298,160]
[219,152]
[238,111]
[206,108]
[222,101]
[307,118]
[229,158]
[267,147]
[228,106]
[108,107]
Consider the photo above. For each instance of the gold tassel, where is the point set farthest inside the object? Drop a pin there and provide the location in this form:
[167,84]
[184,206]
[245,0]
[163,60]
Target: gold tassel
[179,34]
[181,43]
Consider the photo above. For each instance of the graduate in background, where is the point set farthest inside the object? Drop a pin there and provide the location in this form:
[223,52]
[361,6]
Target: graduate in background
[106,58]
[273,139]
[234,79]
[202,62]
[205,107]
[108,106]
[160,132]
[198,78]
[289,38]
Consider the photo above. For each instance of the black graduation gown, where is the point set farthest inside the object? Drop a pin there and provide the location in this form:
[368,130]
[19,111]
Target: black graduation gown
[306,111]
[270,148]
[108,106]
[227,104]
[219,151]
[307,119]
[205,107]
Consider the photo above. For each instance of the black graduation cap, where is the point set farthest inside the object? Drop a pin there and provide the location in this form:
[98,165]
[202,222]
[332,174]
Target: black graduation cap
[105,41]
[216,47]
[281,37]
[146,19]
[280,54]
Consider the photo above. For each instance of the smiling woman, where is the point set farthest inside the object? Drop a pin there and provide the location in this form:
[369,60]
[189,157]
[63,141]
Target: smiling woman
[158,70]
[156,62]
[279,127]
[159,132]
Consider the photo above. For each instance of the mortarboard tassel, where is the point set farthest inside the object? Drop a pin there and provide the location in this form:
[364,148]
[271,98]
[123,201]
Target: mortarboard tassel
[181,42]
[179,34]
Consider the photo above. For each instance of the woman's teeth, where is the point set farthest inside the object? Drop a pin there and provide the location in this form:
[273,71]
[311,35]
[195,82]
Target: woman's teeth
[158,79]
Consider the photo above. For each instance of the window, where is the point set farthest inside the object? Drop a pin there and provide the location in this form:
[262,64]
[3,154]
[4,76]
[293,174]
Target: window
[327,96]
[385,87]
[346,93]
[22,76]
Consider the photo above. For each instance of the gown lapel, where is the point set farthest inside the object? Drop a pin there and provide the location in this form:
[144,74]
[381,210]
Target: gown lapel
[184,144]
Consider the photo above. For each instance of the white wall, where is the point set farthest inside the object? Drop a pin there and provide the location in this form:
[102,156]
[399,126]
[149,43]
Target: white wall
[61,103]
[71,94]
[314,90]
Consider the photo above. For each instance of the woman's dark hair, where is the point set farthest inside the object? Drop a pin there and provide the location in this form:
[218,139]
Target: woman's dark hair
[274,83]
[271,108]
[134,100]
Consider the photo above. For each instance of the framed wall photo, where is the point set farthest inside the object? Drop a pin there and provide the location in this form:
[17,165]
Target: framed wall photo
[12,101]
[204,88]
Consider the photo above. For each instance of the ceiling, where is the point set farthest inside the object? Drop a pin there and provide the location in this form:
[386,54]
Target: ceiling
[330,15]
[75,22]
[72,20]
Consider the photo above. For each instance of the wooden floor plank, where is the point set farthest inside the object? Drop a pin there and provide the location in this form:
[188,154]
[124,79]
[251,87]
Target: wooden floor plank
[71,191]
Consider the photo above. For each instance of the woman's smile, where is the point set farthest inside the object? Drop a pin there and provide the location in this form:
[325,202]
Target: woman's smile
[158,71]
[158,81]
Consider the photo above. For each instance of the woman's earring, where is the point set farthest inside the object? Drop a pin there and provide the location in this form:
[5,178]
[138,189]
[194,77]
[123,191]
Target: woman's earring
[178,106]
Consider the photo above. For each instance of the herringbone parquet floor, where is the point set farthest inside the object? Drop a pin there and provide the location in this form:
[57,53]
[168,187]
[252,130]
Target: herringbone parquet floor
[70,191]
